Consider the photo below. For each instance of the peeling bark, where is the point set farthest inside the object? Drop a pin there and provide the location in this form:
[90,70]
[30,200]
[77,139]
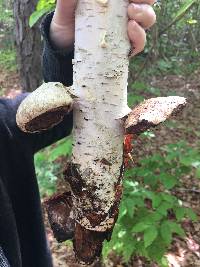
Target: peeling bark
[60,218]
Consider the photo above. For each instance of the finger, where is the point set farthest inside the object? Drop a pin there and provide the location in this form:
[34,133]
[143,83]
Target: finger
[137,37]
[149,2]
[65,11]
[142,14]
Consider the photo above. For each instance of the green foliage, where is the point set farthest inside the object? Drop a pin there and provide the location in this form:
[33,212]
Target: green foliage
[46,172]
[49,167]
[42,8]
[138,89]
[5,13]
[8,59]
[173,42]
[149,213]
[186,5]
[7,53]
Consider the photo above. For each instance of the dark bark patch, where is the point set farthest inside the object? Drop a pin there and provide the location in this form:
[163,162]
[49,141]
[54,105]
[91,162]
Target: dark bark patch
[106,162]
[88,244]
[114,210]
[95,219]
[73,177]
[58,209]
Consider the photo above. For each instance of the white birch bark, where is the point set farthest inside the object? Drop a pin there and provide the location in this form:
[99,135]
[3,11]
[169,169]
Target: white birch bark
[100,82]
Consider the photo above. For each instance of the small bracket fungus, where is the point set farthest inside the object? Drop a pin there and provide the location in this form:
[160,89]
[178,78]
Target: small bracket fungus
[44,108]
[152,112]
[102,2]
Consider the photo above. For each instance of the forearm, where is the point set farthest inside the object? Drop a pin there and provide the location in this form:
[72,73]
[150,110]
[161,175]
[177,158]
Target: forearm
[57,63]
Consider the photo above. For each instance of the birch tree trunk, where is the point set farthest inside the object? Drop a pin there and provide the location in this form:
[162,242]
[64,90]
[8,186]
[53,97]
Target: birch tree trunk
[100,82]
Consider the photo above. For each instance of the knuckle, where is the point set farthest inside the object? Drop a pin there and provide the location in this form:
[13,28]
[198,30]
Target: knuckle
[151,15]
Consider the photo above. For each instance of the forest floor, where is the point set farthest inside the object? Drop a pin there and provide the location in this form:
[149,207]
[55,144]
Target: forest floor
[184,252]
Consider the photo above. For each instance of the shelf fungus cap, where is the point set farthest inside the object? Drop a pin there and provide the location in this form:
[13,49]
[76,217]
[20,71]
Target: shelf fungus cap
[152,112]
[44,108]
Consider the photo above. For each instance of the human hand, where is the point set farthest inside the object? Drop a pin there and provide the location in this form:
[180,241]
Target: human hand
[63,24]
[141,16]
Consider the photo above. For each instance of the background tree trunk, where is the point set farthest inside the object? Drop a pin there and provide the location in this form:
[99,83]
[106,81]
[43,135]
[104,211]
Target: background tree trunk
[28,45]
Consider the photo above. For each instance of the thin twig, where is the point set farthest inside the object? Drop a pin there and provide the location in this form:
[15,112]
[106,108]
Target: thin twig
[187,190]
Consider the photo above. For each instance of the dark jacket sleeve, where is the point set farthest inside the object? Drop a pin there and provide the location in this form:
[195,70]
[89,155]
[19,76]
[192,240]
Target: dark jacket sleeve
[57,64]
[57,67]
[33,142]
[45,138]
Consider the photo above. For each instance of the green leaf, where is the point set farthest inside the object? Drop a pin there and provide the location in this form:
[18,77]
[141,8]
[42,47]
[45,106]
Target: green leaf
[138,86]
[180,213]
[164,262]
[168,198]
[129,184]
[164,207]
[165,232]
[184,8]
[129,203]
[181,12]
[139,202]
[169,181]
[176,228]
[150,235]
[140,227]
[191,214]
[121,233]
[187,161]
[157,250]
[63,148]
[134,99]
[197,174]
[122,211]
[156,200]
[128,251]
[152,218]
[38,14]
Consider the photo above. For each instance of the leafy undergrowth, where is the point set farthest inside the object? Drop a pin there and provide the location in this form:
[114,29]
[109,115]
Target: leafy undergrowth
[150,212]
[49,165]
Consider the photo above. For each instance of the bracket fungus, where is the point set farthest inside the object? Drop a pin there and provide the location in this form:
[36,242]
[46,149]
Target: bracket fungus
[44,108]
[152,112]
[97,163]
